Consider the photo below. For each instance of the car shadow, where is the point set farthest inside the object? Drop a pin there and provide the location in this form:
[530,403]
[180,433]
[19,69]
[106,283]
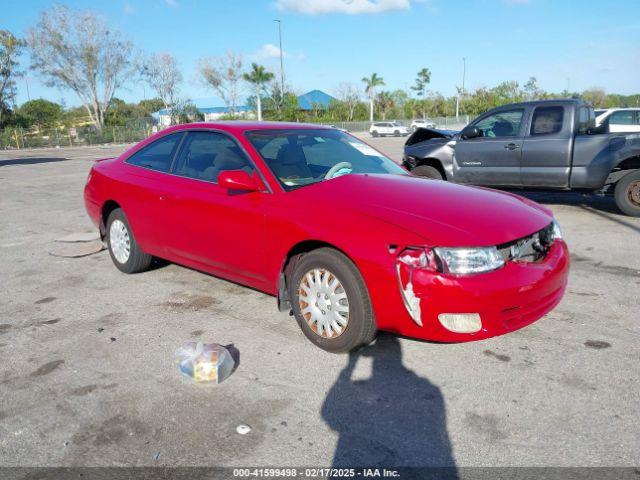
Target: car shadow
[30,161]
[604,203]
[395,418]
[602,206]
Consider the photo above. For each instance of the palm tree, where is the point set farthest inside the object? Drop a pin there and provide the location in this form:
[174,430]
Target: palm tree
[422,80]
[371,84]
[385,103]
[258,77]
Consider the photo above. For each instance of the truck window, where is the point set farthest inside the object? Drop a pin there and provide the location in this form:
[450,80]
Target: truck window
[501,124]
[547,120]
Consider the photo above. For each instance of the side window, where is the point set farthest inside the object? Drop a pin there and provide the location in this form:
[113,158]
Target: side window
[547,120]
[205,154]
[502,124]
[157,155]
[624,117]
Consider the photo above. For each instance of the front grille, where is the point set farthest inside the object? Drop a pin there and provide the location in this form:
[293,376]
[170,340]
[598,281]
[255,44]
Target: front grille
[532,248]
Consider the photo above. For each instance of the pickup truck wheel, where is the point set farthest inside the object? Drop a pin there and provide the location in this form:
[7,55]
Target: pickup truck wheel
[427,171]
[627,193]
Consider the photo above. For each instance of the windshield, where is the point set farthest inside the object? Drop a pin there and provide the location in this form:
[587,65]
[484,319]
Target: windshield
[299,157]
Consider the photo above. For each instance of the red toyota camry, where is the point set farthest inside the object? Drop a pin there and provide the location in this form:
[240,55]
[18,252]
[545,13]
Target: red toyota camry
[335,230]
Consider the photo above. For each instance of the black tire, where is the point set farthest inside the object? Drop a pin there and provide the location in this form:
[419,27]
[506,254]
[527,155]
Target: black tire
[627,193]
[397,133]
[138,261]
[374,133]
[427,171]
[361,327]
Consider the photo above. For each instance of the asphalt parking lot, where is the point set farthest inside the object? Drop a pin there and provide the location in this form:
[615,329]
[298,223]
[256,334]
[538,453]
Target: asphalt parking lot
[88,378]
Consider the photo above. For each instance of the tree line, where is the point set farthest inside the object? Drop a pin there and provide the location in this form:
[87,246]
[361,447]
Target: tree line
[77,51]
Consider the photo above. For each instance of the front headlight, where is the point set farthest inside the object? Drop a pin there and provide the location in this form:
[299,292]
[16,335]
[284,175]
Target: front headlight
[461,261]
[557,231]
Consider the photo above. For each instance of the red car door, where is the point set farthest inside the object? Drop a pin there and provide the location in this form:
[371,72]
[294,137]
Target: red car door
[213,228]
[147,183]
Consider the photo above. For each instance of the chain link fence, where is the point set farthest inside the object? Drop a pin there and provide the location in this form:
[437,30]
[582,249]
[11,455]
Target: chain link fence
[453,123]
[18,138]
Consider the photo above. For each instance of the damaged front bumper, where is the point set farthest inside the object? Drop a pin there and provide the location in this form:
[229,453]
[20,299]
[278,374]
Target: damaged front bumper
[458,308]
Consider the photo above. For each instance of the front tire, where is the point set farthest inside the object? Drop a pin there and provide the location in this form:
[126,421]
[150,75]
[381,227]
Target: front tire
[427,171]
[627,194]
[374,133]
[397,133]
[123,248]
[330,301]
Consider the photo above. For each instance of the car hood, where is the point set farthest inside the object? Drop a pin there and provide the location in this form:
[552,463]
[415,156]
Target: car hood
[442,213]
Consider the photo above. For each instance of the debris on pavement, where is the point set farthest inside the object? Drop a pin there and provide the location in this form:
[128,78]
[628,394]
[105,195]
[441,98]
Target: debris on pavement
[243,429]
[205,362]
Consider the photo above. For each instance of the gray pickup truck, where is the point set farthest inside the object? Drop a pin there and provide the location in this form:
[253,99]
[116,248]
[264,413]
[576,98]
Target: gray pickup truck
[550,144]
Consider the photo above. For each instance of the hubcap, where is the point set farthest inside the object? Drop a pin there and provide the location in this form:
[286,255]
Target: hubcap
[323,303]
[119,241]
[633,192]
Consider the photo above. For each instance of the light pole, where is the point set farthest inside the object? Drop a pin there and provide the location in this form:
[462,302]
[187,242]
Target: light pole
[464,73]
[281,61]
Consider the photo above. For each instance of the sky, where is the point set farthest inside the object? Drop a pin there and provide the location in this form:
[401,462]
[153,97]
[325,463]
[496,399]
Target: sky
[563,43]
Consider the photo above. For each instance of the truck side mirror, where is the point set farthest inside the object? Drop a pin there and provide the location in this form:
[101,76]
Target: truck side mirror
[600,129]
[470,132]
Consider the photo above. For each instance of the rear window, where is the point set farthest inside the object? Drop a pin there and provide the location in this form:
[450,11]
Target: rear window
[547,120]
[159,154]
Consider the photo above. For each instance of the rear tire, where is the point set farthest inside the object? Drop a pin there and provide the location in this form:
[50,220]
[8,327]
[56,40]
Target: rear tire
[427,171]
[123,248]
[627,194]
[360,328]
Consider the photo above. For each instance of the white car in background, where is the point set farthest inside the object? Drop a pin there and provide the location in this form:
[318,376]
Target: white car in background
[620,119]
[418,123]
[380,129]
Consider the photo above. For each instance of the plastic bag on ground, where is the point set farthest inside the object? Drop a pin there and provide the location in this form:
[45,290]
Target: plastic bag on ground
[205,362]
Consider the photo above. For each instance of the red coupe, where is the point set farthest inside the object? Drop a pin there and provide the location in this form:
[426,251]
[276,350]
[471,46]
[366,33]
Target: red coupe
[339,233]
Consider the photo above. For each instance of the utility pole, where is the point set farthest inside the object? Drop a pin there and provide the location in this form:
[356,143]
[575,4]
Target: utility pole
[26,80]
[460,93]
[281,61]
[464,73]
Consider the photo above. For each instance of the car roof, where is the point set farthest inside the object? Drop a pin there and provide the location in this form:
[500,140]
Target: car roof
[236,126]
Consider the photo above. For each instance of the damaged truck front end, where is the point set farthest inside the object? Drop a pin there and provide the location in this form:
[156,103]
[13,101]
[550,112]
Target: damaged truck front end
[431,151]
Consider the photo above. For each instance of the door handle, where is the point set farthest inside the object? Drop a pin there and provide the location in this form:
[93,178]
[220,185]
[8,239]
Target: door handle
[512,146]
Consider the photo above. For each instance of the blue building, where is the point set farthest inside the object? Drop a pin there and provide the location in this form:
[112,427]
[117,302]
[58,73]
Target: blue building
[313,100]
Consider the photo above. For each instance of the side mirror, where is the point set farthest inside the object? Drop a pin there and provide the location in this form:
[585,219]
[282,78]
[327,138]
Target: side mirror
[239,180]
[600,129]
[470,132]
